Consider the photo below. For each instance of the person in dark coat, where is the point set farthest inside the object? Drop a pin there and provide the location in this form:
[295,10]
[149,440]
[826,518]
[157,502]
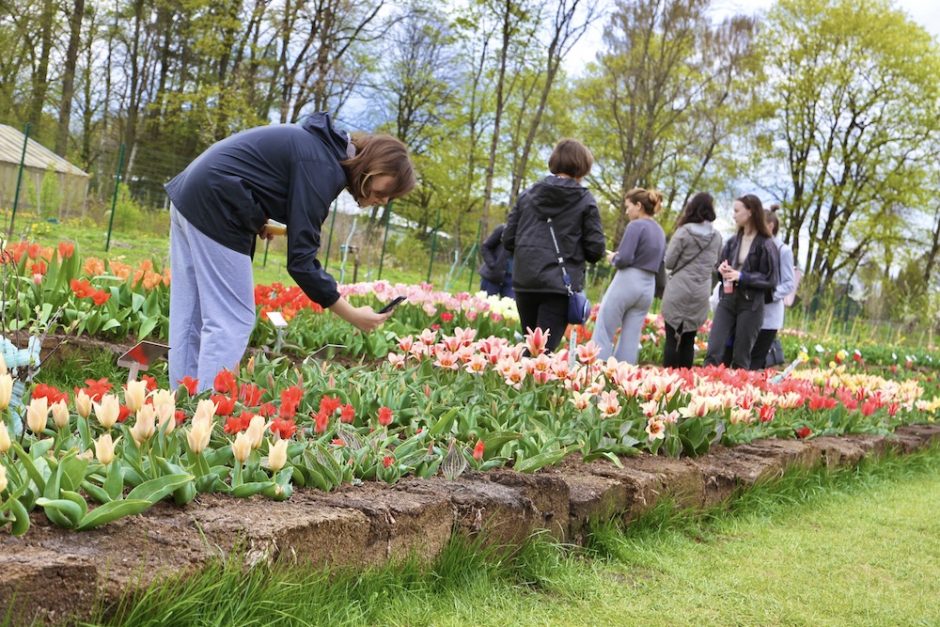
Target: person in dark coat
[749,271]
[496,269]
[541,295]
[221,202]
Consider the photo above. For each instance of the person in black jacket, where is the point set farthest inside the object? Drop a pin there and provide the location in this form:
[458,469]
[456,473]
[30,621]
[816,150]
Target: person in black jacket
[221,203]
[748,269]
[496,269]
[541,295]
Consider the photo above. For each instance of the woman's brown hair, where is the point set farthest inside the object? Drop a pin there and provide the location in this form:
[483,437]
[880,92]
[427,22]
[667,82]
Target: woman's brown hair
[650,199]
[378,155]
[571,157]
[773,222]
[753,204]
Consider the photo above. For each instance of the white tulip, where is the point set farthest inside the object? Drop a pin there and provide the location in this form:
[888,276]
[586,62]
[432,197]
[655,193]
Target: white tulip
[6,389]
[108,410]
[104,449]
[277,455]
[135,394]
[60,415]
[37,414]
[241,447]
[83,404]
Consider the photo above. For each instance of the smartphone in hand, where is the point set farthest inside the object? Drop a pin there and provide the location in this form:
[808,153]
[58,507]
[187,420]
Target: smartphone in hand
[390,306]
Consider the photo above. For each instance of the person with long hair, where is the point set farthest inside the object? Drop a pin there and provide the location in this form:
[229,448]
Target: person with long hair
[222,202]
[630,293]
[558,201]
[773,311]
[748,268]
[690,258]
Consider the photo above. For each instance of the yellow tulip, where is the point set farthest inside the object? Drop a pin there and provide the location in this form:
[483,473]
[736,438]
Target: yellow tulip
[37,414]
[3,475]
[204,409]
[255,431]
[4,438]
[135,394]
[104,449]
[60,414]
[6,389]
[241,447]
[83,404]
[108,410]
[144,427]
[277,455]
[198,436]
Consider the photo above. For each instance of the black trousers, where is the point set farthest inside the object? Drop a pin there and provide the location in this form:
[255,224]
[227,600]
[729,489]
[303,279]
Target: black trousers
[765,340]
[546,311]
[678,352]
[737,317]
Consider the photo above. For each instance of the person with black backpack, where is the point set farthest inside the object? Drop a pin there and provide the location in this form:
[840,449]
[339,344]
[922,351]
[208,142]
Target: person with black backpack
[690,258]
[552,232]
[749,272]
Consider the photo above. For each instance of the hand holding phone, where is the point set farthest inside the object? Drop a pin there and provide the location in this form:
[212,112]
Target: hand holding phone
[390,306]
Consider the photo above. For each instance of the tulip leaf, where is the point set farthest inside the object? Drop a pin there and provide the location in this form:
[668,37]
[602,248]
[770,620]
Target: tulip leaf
[250,489]
[20,517]
[73,472]
[61,512]
[76,498]
[112,511]
[96,492]
[155,489]
[531,464]
[444,424]
[30,467]
[114,484]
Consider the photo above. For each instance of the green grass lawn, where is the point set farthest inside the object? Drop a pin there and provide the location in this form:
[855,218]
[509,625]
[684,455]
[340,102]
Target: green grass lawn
[846,548]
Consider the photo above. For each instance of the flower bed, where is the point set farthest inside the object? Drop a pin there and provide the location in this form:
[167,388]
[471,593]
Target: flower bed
[442,404]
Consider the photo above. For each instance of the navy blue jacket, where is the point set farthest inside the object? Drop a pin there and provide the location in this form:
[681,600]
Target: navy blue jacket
[496,259]
[287,172]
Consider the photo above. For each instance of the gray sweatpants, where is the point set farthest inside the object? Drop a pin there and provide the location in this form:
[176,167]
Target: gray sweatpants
[625,305]
[212,304]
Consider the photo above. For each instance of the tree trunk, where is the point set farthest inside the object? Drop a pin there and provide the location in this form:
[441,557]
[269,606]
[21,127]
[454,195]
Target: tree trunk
[68,76]
[41,77]
[494,143]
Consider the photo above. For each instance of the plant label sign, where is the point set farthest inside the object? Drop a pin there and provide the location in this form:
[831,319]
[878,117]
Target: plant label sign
[277,319]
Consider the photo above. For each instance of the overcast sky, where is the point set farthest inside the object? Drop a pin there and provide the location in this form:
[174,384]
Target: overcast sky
[924,12]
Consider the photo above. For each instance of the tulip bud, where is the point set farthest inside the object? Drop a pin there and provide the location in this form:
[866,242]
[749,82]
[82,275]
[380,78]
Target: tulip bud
[205,409]
[104,449]
[108,410]
[60,414]
[144,427]
[135,394]
[250,368]
[83,404]
[277,455]
[198,436]
[5,442]
[255,431]
[6,389]
[37,414]
[3,478]
[241,447]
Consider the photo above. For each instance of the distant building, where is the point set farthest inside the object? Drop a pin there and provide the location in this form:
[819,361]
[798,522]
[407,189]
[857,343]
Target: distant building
[72,180]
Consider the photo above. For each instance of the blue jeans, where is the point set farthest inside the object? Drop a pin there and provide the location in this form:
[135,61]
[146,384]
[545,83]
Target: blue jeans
[212,304]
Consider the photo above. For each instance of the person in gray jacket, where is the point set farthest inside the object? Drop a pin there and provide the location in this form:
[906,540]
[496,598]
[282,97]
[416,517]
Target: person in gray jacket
[630,294]
[690,258]
[773,311]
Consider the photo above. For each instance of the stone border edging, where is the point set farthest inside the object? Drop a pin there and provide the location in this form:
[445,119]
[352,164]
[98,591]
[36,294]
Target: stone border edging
[53,574]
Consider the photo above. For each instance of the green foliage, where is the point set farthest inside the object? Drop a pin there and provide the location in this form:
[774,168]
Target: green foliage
[50,196]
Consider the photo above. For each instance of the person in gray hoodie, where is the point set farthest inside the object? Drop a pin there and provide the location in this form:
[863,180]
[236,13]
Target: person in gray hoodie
[220,205]
[558,200]
[690,258]
[630,294]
